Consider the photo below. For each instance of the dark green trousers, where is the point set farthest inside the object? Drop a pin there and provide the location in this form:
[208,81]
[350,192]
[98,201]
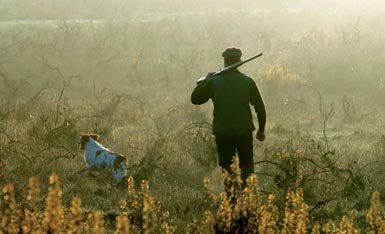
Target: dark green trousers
[228,146]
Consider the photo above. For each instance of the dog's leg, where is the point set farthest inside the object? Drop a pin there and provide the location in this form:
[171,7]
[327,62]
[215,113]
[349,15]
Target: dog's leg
[91,169]
[82,170]
[118,174]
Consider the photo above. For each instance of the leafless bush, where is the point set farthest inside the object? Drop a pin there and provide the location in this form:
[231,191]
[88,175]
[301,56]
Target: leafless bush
[312,167]
[349,110]
[198,143]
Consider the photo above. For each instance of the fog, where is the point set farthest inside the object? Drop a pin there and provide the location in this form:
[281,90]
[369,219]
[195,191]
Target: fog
[90,9]
[125,69]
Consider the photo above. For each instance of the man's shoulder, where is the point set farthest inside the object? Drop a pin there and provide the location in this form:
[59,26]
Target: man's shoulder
[238,75]
[246,77]
[234,73]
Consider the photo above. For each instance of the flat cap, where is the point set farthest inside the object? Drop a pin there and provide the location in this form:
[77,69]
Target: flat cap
[234,53]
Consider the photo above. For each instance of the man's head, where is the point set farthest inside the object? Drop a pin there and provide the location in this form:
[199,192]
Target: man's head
[231,56]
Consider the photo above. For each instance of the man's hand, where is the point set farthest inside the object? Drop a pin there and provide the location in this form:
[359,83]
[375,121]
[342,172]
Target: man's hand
[261,136]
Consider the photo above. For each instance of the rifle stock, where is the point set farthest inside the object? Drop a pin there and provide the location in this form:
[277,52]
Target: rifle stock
[232,66]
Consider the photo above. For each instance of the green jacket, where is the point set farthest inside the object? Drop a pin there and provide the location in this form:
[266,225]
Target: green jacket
[231,93]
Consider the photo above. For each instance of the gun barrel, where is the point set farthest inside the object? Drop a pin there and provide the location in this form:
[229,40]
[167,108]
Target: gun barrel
[235,65]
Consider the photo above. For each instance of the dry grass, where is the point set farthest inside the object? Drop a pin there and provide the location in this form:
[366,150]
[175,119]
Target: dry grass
[235,211]
[141,214]
[130,82]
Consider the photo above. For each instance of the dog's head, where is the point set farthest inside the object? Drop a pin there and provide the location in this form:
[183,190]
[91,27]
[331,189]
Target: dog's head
[85,137]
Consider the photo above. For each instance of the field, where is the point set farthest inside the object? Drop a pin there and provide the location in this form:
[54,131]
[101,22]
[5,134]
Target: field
[130,80]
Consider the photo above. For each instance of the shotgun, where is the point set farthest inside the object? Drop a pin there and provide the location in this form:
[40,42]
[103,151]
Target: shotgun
[235,65]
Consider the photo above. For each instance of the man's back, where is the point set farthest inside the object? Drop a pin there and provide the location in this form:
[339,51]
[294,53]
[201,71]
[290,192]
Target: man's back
[231,95]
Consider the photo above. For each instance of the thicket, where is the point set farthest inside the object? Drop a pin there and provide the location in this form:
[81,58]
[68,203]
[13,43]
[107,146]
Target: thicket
[234,211]
[130,81]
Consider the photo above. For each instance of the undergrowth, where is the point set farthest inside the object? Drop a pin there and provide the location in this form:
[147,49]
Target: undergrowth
[240,209]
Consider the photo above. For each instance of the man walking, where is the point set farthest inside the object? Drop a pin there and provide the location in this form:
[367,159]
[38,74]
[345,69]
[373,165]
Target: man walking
[232,92]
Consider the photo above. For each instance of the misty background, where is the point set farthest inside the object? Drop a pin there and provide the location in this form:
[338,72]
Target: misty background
[96,9]
[126,69]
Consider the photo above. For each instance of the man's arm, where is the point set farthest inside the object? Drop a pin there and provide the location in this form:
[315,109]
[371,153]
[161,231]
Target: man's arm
[257,101]
[202,92]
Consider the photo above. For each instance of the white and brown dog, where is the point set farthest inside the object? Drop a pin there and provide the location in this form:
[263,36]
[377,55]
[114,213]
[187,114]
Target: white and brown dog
[98,157]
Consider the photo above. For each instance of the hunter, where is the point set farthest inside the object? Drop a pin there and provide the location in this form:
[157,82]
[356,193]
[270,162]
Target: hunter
[232,93]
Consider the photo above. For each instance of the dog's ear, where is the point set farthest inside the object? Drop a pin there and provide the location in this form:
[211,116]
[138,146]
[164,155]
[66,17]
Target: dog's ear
[94,136]
[84,137]
[83,140]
